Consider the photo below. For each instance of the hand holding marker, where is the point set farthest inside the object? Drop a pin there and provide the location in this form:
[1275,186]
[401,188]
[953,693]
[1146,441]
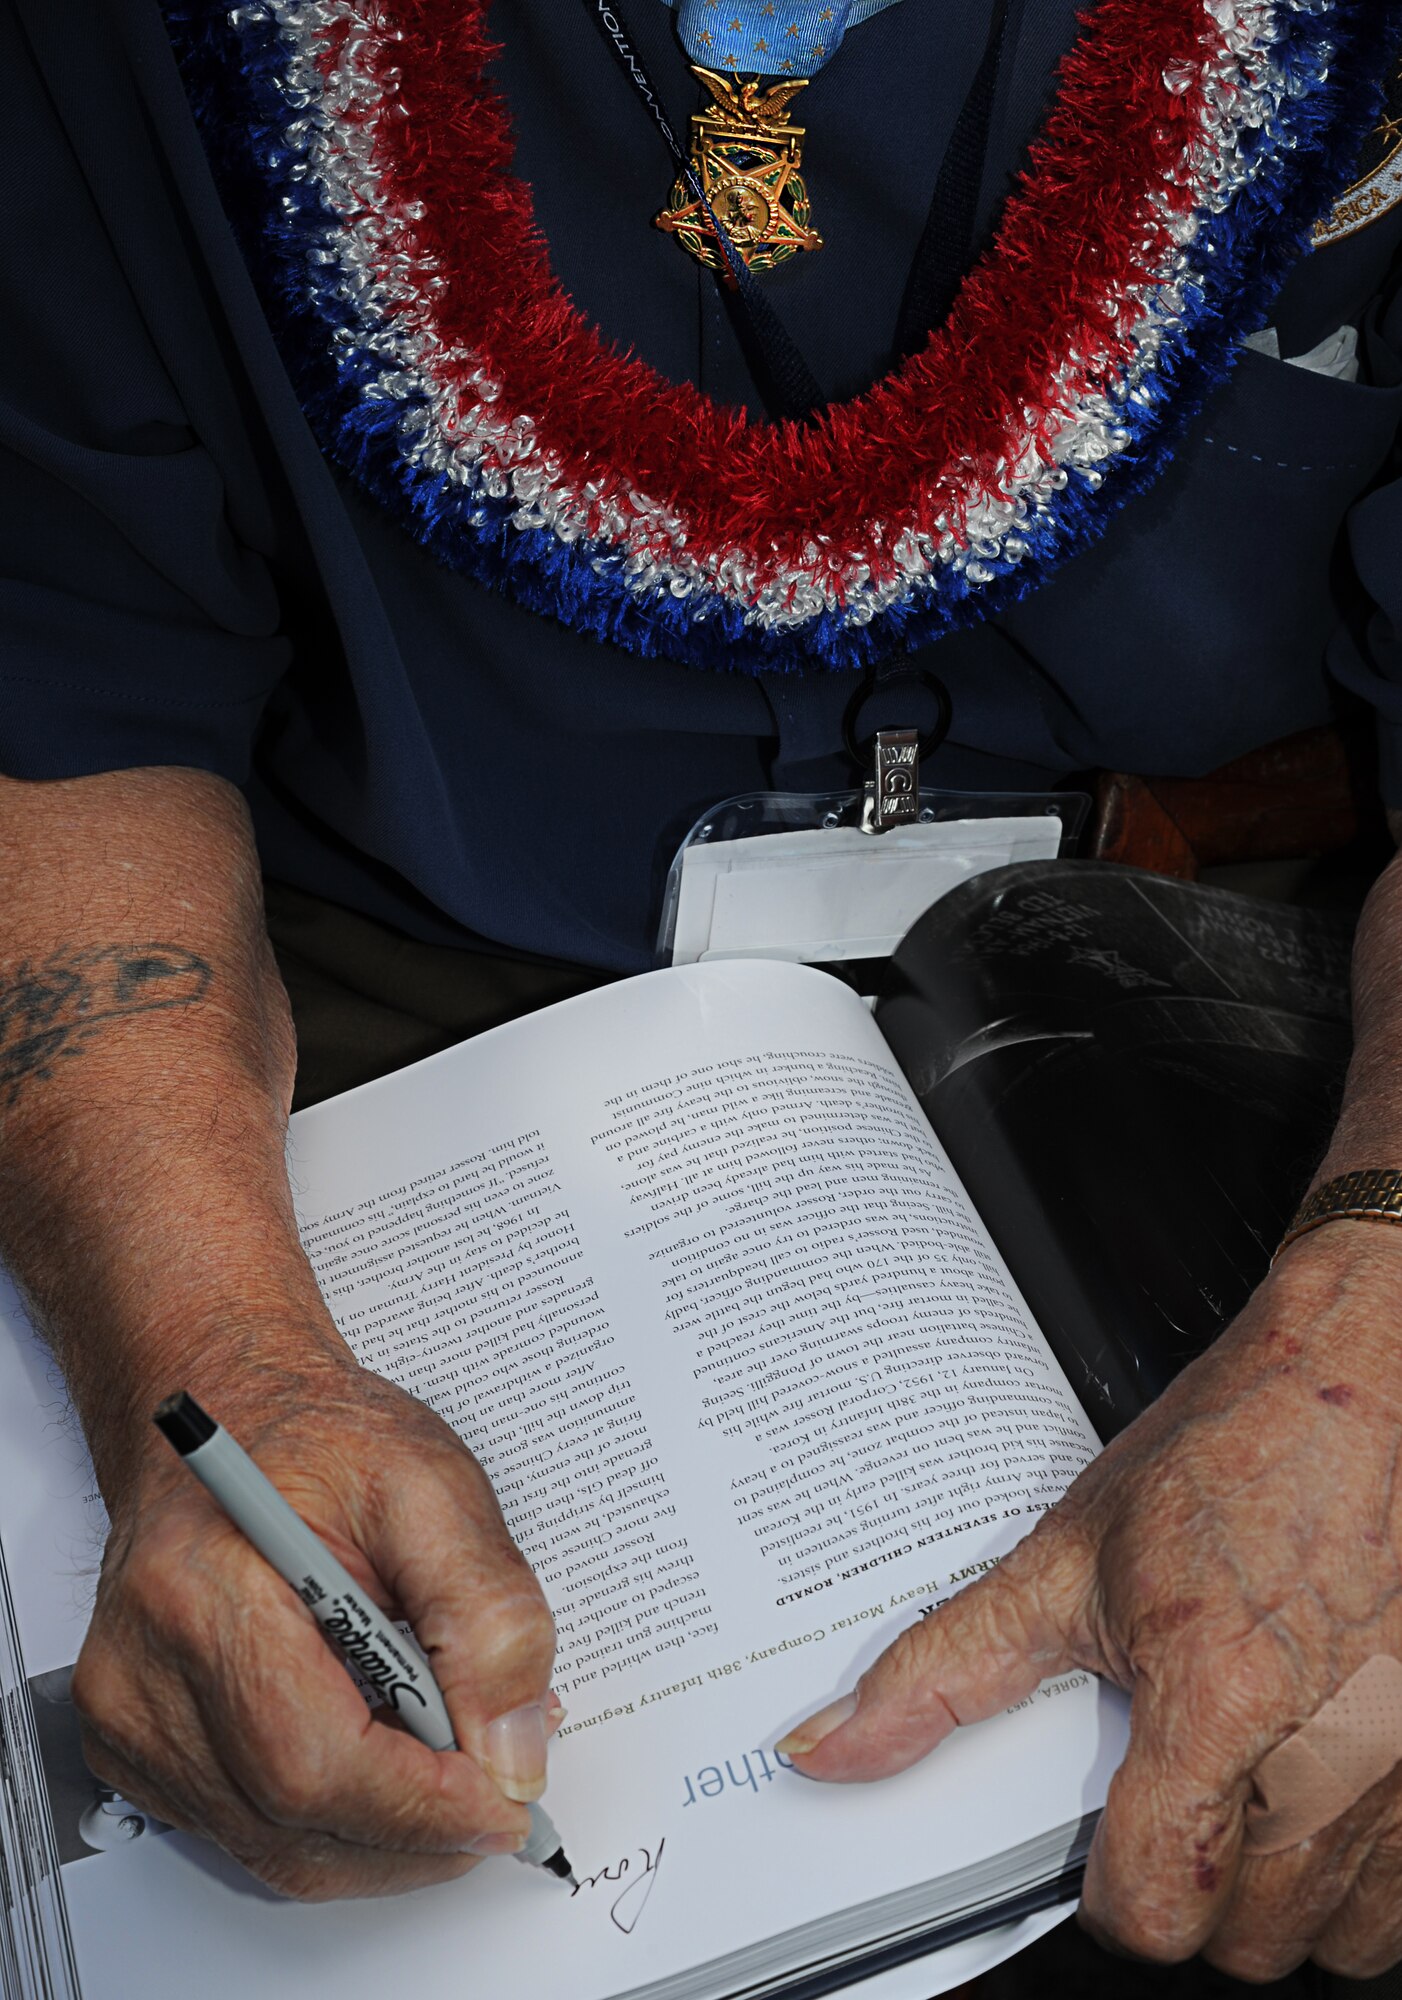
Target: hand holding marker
[356,1626]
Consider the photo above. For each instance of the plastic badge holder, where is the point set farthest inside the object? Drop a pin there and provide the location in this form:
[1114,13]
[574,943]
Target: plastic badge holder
[791,875]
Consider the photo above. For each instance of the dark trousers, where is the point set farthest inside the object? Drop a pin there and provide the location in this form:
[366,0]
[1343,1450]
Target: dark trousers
[367,1000]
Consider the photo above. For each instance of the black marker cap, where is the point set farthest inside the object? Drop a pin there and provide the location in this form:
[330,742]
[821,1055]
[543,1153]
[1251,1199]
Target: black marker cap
[184,1423]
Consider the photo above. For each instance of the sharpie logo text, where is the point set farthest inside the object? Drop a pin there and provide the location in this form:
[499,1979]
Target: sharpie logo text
[382,1674]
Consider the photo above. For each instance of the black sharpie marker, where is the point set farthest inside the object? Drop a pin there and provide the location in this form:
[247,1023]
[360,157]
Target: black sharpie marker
[378,1651]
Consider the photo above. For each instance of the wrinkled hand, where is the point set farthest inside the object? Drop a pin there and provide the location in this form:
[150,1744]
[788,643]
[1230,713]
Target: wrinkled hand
[209,1696]
[1230,1561]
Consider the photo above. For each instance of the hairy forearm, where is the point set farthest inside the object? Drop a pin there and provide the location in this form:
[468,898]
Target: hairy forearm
[146,1061]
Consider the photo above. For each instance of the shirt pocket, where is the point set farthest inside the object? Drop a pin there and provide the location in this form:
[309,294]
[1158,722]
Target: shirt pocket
[1196,628]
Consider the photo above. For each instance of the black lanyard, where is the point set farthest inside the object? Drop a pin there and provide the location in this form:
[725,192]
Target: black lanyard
[947,242]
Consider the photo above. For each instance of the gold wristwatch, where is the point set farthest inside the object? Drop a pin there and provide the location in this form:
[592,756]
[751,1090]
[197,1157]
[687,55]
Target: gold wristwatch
[1373,1194]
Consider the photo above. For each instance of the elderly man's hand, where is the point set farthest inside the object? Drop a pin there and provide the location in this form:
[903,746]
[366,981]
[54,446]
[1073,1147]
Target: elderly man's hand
[209,1695]
[1230,1561]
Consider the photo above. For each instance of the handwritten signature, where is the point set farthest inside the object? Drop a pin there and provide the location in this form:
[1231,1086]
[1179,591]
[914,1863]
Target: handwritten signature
[631,1900]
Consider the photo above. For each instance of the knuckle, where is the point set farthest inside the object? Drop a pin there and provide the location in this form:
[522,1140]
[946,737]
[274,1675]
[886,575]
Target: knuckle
[316,1873]
[901,1697]
[1138,1932]
[1255,1961]
[1004,1618]
[98,1689]
[113,1716]
[1358,1958]
[1058,1564]
[478,1490]
[296,1876]
[409,1825]
[1059,1534]
[151,1606]
[514,1630]
[906,1667]
[293,1787]
[911,1652]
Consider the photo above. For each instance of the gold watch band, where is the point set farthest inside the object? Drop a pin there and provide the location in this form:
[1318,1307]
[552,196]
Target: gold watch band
[1373,1194]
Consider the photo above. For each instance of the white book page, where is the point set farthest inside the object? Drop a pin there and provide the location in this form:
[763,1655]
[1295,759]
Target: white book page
[53,1524]
[683,1263]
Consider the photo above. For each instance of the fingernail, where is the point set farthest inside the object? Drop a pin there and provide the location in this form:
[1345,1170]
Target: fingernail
[496,1843]
[516,1752]
[810,1734]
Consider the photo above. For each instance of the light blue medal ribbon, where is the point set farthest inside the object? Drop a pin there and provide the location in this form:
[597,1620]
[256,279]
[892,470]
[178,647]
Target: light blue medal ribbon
[769,37]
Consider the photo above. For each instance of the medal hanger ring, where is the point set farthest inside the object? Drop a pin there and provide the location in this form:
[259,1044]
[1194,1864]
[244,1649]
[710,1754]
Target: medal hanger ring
[929,740]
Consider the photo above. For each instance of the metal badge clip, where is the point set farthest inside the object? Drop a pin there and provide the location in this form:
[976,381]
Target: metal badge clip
[893,790]
[891,795]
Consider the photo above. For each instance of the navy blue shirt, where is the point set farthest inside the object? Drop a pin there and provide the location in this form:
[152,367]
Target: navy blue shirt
[186,581]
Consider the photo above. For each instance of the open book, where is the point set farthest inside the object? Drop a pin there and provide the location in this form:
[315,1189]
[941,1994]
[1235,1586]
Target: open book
[686,1266]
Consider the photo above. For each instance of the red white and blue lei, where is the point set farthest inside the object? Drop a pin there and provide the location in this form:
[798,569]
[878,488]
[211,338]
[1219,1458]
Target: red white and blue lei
[365,159]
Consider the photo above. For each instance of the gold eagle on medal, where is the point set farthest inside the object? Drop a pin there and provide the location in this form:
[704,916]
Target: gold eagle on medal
[747,156]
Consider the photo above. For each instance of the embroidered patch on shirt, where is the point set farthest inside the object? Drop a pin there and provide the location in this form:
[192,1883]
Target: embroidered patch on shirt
[1378,188]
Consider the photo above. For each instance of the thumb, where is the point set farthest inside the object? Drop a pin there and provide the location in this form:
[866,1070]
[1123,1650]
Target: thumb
[989,1647]
[481,1617]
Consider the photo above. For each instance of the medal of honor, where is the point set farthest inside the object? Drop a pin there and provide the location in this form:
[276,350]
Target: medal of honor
[747,156]
[1188,152]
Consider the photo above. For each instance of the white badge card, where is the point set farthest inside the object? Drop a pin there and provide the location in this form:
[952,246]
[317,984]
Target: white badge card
[830,892]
